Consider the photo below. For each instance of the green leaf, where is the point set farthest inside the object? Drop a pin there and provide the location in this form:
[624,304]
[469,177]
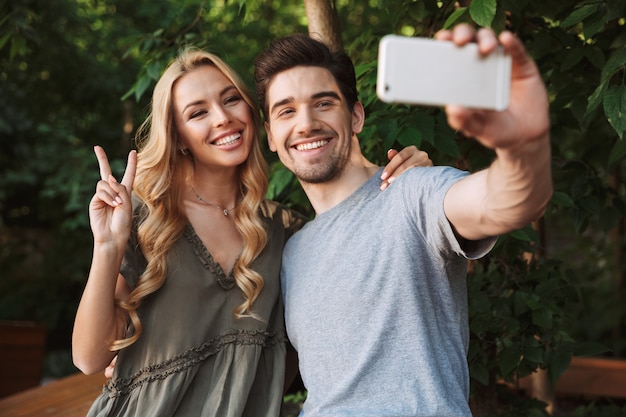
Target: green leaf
[543,317]
[572,58]
[596,56]
[617,153]
[509,360]
[521,234]
[153,69]
[500,21]
[445,140]
[593,25]
[561,199]
[615,62]
[578,15]
[595,99]
[483,11]
[479,372]
[558,364]
[280,179]
[410,136]
[141,86]
[533,354]
[615,107]
[459,15]
[4,39]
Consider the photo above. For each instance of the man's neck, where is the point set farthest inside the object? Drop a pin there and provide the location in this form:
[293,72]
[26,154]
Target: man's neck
[324,196]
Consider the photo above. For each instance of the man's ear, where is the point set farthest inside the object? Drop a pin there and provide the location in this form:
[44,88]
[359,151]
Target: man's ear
[358,118]
[270,141]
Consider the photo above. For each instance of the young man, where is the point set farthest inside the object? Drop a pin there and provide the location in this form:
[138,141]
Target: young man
[374,287]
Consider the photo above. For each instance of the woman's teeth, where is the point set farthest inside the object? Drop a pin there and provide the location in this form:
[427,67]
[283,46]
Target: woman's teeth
[227,140]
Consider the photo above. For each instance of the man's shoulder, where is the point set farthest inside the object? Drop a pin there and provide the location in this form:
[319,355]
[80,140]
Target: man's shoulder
[429,177]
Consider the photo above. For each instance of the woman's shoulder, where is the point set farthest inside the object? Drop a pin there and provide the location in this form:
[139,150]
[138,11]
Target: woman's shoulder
[289,218]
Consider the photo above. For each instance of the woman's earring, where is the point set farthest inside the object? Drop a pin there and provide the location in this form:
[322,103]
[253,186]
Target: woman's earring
[184,151]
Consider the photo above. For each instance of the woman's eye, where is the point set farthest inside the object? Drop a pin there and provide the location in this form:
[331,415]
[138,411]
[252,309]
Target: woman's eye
[197,113]
[232,100]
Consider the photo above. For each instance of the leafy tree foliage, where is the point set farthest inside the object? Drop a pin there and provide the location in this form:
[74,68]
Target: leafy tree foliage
[75,73]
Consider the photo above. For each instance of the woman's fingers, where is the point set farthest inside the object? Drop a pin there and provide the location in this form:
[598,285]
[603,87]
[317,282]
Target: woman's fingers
[131,169]
[103,162]
[109,191]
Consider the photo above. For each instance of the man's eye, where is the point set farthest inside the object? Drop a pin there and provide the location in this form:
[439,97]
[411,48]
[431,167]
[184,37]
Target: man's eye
[285,112]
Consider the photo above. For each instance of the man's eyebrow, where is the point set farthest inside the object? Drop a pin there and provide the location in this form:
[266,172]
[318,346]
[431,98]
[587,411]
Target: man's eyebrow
[281,103]
[329,93]
[321,94]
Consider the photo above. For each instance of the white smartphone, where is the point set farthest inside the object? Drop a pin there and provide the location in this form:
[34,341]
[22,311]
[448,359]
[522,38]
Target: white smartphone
[435,73]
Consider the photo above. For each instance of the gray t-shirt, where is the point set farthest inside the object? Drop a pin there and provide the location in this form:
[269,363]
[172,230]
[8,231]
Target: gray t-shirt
[376,302]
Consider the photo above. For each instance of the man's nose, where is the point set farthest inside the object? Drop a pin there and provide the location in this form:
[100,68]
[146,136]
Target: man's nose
[306,121]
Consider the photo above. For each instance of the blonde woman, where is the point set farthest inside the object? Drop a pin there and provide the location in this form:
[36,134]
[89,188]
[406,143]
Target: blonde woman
[184,282]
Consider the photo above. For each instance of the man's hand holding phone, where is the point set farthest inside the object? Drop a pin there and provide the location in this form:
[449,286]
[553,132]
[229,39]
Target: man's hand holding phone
[526,118]
[490,87]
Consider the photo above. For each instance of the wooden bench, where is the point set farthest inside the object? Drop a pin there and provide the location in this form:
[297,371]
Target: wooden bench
[73,395]
[68,397]
[589,378]
[22,346]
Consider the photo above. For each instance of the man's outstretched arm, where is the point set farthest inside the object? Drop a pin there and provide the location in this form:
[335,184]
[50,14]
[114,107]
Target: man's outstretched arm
[517,186]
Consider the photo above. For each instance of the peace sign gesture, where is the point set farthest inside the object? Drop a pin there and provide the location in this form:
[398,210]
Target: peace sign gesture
[110,209]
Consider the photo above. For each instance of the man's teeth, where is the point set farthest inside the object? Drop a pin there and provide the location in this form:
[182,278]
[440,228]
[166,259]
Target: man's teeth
[311,145]
[227,139]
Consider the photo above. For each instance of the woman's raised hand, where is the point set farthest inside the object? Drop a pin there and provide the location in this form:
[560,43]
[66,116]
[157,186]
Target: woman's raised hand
[399,162]
[110,209]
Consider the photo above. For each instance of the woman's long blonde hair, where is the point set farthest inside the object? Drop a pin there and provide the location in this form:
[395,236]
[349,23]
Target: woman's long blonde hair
[162,173]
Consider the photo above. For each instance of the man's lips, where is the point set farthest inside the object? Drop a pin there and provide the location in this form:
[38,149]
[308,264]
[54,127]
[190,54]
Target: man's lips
[309,146]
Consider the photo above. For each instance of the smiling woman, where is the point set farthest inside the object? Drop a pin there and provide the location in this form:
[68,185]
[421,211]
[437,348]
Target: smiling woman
[190,260]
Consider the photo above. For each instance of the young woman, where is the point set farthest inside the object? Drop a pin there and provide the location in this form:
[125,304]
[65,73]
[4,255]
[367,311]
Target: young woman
[184,282]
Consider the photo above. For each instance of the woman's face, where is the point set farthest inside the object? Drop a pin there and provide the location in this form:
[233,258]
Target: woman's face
[212,118]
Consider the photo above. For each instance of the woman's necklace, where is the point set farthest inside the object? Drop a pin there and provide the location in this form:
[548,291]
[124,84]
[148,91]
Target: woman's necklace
[225,211]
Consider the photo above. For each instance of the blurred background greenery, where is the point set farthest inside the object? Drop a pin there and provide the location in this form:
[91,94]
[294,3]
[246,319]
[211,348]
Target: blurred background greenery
[76,73]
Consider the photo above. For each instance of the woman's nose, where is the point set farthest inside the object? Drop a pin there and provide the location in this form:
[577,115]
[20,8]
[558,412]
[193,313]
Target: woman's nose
[220,117]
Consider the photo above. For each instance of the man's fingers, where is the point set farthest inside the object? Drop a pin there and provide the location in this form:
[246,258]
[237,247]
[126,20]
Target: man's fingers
[463,34]
[487,41]
[103,162]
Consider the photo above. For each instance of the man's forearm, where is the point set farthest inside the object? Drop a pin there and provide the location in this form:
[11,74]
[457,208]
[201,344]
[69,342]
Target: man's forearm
[508,195]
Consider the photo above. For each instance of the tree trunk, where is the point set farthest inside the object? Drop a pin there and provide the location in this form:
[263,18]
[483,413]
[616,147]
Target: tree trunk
[541,388]
[324,23]
[619,272]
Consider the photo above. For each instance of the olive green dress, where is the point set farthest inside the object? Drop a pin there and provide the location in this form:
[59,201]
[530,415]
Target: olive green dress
[194,357]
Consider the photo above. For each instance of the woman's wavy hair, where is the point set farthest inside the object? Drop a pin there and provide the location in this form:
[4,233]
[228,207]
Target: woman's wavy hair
[162,174]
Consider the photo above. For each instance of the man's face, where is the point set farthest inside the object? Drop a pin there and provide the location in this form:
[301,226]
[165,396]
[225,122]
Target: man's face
[309,124]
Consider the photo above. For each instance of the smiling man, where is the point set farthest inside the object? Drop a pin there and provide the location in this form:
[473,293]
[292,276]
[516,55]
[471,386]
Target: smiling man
[374,287]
